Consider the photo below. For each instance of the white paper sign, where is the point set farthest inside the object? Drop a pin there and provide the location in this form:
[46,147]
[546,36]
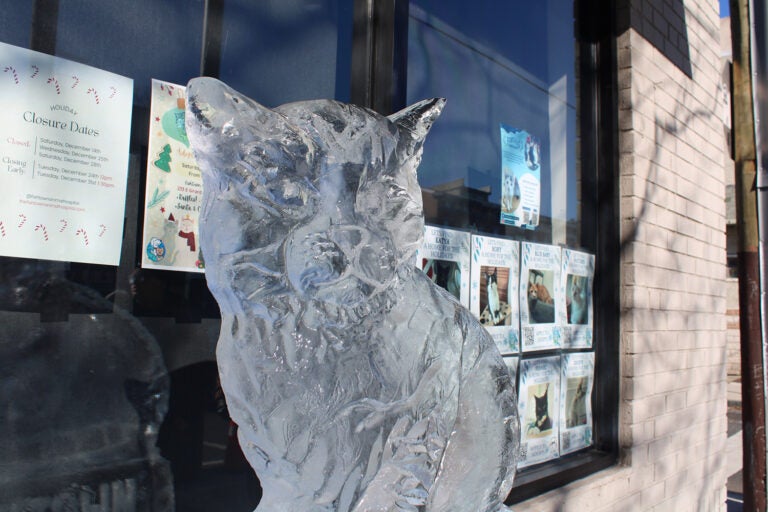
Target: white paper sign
[540,297]
[577,276]
[493,289]
[539,410]
[444,258]
[576,401]
[64,136]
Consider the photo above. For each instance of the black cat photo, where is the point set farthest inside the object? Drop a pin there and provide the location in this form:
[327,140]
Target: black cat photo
[540,420]
[444,273]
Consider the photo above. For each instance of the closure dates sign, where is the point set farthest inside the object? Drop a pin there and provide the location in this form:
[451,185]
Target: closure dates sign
[64,135]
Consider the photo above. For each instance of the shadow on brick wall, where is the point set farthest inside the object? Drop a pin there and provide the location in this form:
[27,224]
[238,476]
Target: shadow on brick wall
[663,24]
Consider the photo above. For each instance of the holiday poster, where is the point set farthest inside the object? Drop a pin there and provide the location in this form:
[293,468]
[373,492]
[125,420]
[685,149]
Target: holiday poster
[174,190]
[64,136]
[577,377]
[541,297]
[539,408]
[495,275]
[577,275]
[520,178]
[444,258]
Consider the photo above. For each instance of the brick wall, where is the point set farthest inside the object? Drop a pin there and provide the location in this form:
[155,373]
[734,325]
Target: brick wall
[673,328]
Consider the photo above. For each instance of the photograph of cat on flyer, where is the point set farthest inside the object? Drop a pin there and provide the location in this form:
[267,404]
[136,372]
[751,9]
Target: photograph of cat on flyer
[444,273]
[494,296]
[538,416]
[541,302]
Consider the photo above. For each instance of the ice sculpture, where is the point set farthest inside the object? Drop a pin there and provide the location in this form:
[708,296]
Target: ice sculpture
[357,384]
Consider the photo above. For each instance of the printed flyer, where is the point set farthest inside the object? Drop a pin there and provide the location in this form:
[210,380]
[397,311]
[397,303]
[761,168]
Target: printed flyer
[539,397]
[495,277]
[576,401]
[577,274]
[444,257]
[520,178]
[540,297]
[174,190]
[64,140]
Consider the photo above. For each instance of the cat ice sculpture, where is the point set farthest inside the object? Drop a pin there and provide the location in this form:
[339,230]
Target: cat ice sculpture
[357,384]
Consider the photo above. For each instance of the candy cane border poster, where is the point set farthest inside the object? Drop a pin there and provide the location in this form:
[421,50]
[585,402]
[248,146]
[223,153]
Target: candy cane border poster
[64,139]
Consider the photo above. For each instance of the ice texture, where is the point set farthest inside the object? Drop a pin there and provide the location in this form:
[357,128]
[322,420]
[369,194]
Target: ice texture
[357,384]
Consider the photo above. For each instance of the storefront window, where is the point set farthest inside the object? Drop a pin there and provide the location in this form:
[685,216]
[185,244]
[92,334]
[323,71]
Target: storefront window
[109,384]
[509,199]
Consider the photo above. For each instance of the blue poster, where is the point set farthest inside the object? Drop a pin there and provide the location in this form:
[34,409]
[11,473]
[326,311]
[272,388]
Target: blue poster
[520,178]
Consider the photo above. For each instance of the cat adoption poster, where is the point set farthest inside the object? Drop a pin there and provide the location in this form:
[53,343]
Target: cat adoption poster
[444,258]
[578,370]
[539,409]
[495,276]
[174,189]
[540,297]
[577,276]
[520,178]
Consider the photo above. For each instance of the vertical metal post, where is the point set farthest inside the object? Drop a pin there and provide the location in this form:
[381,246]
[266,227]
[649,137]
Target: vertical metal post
[45,20]
[379,54]
[752,369]
[210,57]
[759,62]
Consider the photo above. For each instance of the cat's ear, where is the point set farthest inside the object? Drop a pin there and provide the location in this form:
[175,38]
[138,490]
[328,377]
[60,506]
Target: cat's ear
[229,131]
[414,122]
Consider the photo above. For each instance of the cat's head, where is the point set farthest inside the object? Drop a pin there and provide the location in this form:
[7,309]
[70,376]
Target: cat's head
[533,291]
[320,192]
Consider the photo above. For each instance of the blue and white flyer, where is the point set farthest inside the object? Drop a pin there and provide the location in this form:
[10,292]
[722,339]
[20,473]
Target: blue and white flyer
[520,178]
[64,134]
[444,257]
[541,297]
[539,409]
[578,371]
[577,276]
[493,289]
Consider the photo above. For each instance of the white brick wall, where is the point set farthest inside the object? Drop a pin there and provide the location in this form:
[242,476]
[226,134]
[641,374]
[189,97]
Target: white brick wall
[673,328]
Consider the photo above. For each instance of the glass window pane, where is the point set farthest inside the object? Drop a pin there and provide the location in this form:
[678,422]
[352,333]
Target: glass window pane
[496,64]
[287,50]
[140,39]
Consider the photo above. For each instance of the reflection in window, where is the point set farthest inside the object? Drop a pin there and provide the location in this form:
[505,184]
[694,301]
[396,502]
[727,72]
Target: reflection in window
[499,65]
[278,52]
